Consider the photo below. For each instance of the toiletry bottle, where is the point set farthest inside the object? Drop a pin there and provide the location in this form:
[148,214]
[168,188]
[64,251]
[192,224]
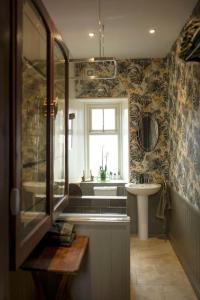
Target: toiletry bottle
[91,176]
[83,177]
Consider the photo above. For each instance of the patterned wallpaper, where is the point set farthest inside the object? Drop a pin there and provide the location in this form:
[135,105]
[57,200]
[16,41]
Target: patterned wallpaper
[33,125]
[184,133]
[145,83]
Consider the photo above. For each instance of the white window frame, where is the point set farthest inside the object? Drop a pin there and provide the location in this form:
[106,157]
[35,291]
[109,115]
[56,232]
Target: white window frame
[104,106]
[118,131]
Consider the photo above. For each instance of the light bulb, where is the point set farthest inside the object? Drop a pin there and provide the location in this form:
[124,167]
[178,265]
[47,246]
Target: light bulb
[91,34]
[152,31]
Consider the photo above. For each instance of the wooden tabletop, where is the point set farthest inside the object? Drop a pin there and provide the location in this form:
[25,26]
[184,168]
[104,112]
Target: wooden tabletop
[65,260]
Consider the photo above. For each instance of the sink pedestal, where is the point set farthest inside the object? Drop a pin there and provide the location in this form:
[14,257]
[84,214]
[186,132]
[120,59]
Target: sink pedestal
[142,205]
[142,191]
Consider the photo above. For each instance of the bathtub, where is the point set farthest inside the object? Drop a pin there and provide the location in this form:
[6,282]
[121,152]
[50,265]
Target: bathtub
[97,205]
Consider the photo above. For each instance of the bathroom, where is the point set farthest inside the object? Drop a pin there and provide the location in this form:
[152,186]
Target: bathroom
[148,87]
[102,133]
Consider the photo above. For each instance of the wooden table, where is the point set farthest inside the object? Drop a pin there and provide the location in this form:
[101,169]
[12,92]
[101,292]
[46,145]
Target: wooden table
[61,260]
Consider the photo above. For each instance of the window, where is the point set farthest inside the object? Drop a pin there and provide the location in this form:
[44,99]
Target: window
[103,138]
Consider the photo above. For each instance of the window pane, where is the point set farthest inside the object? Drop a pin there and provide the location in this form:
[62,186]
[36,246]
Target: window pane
[33,120]
[109,119]
[97,119]
[109,145]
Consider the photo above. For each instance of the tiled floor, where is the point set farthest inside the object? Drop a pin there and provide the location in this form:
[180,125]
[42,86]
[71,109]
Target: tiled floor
[156,273]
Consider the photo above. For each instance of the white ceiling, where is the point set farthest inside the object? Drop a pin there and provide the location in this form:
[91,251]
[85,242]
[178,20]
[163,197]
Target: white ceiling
[126,25]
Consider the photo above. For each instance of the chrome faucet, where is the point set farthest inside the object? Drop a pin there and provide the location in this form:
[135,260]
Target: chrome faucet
[140,178]
[143,178]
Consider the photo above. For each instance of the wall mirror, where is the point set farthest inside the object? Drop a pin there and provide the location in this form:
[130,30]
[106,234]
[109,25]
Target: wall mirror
[148,132]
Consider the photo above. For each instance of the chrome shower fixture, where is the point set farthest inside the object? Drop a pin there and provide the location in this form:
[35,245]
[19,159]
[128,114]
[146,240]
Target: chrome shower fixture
[89,74]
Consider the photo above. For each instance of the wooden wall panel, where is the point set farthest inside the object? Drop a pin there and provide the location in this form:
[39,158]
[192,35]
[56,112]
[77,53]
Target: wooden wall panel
[107,268]
[184,233]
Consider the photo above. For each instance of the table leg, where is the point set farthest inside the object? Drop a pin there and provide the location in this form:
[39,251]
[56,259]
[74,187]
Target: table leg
[39,287]
[63,291]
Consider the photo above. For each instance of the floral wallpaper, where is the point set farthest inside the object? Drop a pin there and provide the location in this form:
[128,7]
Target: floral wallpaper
[184,125]
[145,83]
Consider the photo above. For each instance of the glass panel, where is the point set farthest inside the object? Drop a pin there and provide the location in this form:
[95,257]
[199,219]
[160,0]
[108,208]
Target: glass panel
[33,119]
[97,119]
[109,119]
[70,132]
[59,124]
[103,150]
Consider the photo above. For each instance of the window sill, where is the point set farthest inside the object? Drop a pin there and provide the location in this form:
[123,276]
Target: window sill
[115,181]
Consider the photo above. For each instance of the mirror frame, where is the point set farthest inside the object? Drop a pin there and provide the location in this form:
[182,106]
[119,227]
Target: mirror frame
[142,115]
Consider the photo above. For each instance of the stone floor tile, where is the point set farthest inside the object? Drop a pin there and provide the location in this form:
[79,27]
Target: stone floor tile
[156,273]
[178,292]
[147,292]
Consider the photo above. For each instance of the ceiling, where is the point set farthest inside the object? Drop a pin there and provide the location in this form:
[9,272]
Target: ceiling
[127,24]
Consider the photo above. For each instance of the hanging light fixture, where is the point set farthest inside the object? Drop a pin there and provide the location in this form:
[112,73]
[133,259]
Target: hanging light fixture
[109,61]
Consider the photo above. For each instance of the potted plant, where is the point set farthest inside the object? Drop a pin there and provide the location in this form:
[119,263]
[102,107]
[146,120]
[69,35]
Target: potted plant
[103,169]
[103,173]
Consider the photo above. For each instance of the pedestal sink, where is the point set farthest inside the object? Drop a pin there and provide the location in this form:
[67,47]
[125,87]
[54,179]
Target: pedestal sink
[142,191]
[35,187]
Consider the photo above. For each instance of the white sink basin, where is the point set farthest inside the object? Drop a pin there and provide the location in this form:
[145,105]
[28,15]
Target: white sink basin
[35,187]
[143,189]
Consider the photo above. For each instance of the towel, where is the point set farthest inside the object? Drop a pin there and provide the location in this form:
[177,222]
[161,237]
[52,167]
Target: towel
[164,203]
[61,228]
[61,234]
[55,240]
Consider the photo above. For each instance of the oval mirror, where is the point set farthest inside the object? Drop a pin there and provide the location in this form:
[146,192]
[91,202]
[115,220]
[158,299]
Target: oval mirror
[147,133]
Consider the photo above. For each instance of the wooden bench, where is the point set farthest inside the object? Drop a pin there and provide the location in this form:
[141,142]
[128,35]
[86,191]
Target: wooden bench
[60,260]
